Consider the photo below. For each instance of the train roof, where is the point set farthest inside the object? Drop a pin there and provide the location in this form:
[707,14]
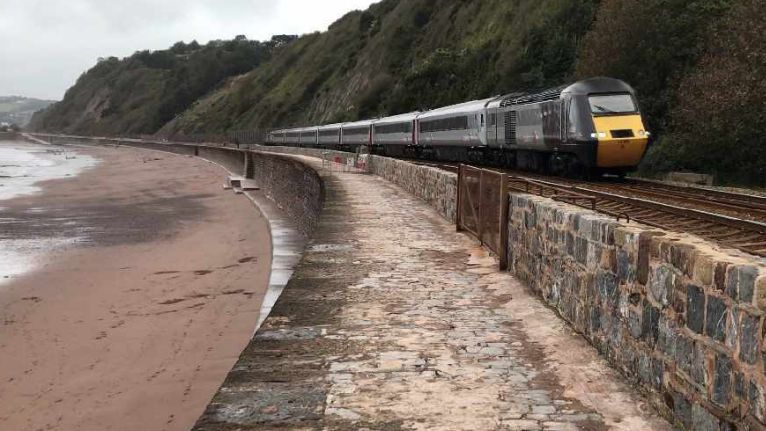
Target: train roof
[361,123]
[301,129]
[401,118]
[461,108]
[598,85]
[330,126]
[584,87]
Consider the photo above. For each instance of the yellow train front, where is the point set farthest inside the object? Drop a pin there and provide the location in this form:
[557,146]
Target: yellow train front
[593,126]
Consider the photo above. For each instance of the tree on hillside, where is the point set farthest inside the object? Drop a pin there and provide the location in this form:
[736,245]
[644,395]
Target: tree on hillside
[550,49]
[719,123]
[651,44]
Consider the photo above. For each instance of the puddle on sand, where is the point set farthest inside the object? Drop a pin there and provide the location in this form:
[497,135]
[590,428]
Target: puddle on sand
[22,167]
[18,257]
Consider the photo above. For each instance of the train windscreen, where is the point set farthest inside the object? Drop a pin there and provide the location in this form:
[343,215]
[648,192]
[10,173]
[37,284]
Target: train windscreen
[612,104]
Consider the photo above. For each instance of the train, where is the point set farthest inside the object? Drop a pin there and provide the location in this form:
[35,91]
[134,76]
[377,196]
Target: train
[589,128]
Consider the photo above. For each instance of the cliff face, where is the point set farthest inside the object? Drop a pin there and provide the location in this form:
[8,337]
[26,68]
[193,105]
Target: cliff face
[140,93]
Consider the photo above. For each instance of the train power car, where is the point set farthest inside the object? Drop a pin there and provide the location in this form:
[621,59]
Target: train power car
[588,128]
[592,127]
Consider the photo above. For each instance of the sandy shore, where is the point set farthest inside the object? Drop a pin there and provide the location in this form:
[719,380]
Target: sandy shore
[136,324]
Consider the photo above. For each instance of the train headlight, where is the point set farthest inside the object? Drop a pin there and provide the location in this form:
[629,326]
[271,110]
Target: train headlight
[600,135]
[643,134]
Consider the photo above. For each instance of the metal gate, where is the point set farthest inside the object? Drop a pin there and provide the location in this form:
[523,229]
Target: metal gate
[482,208]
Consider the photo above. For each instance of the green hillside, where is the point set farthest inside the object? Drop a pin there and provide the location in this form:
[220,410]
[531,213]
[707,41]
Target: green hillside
[698,66]
[140,93]
[399,56]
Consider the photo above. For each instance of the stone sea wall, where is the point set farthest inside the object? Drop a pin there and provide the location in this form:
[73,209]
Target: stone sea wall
[436,187]
[184,150]
[231,159]
[296,188]
[311,152]
[682,318]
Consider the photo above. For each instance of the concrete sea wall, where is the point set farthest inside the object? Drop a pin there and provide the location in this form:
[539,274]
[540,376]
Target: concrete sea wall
[682,318]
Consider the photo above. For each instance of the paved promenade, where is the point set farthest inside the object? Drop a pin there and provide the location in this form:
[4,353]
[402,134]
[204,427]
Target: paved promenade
[395,321]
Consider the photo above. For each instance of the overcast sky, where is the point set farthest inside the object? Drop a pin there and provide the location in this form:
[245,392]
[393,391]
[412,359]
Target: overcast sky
[46,44]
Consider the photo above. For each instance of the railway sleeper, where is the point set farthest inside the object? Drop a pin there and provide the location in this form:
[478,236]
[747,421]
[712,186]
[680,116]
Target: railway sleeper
[746,239]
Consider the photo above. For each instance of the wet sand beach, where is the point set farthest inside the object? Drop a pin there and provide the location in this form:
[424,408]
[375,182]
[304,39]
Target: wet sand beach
[133,320]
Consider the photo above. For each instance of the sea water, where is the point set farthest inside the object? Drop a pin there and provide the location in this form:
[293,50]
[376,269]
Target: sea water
[23,166]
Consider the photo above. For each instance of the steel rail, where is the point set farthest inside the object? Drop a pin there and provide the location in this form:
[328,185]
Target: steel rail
[746,235]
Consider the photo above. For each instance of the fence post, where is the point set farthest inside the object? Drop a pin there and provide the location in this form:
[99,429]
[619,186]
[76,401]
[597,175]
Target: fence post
[480,217]
[504,204]
[458,199]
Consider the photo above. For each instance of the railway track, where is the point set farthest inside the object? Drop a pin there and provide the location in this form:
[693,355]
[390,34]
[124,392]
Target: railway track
[734,205]
[738,205]
[736,232]
[731,219]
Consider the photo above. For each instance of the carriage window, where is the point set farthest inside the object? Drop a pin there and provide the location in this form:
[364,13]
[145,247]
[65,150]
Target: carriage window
[444,124]
[356,132]
[394,128]
[612,104]
[329,133]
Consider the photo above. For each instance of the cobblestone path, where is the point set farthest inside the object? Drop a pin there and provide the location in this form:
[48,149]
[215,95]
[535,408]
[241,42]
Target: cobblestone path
[395,321]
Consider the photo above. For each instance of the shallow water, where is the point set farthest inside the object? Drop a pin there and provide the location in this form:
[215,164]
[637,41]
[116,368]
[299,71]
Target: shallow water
[22,167]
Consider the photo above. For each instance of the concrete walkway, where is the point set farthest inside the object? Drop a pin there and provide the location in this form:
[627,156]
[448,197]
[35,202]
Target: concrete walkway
[395,321]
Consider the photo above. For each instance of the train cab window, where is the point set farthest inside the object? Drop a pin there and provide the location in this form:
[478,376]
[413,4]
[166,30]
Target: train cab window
[612,104]
[574,122]
[482,120]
